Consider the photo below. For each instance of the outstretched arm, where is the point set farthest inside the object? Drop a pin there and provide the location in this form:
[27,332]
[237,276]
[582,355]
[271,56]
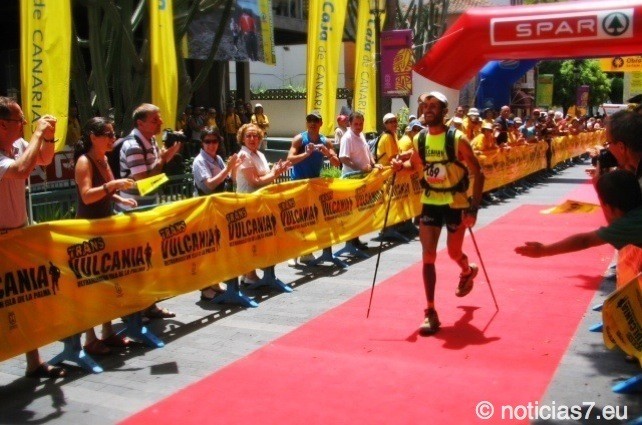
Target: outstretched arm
[577,242]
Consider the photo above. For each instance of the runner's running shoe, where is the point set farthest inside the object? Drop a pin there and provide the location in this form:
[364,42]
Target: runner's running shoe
[431,323]
[466,281]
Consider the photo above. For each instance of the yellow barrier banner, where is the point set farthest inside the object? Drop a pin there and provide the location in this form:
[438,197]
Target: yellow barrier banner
[45,61]
[63,277]
[164,68]
[365,74]
[622,319]
[574,207]
[325,35]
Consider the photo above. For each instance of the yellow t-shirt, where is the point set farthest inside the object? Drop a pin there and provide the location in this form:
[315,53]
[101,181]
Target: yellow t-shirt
[405,143]
[387,149]
[441,174]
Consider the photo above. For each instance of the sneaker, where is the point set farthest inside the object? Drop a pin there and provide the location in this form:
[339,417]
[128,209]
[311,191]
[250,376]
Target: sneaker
[307,258]
[431,323]
[466,281]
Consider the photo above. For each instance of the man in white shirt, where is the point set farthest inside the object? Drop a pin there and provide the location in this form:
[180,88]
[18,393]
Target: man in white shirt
[353,150]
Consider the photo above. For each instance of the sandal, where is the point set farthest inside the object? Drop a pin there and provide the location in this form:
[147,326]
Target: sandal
[96,348]
[45,370]
[155,312]
[115,340]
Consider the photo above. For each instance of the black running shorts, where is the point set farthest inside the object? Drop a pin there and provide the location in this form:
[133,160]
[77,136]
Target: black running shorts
[438,215]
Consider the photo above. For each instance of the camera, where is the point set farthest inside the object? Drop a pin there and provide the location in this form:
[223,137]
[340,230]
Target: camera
[604,159]
[170,137]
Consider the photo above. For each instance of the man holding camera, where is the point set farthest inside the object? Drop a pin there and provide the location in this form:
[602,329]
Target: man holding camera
[307,153]
[140,156]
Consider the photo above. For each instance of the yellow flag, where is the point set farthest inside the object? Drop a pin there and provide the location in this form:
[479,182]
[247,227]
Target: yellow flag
[267,32]
[365,74]
[152,183]
[45,60]
[325,31]
[163,58]
[572,207]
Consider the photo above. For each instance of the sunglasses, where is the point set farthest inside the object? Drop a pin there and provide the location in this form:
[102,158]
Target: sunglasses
[109,134]
[208,141]
[251,135]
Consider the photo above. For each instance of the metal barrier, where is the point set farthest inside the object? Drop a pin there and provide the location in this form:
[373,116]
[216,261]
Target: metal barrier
[61,204]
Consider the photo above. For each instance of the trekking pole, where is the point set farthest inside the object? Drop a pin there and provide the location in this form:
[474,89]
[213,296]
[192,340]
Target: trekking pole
[385,222]
[481,261]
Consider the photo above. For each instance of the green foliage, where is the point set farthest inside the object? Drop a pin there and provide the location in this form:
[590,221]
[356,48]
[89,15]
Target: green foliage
[331,172]
[570,74]
[617,90]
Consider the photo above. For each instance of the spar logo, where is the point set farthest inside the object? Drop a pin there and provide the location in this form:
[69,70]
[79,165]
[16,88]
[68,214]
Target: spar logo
[180,245]
[293,217]
[21,285]
[335,208]
[91,262]
[243,229]
[367,199]
[562,27]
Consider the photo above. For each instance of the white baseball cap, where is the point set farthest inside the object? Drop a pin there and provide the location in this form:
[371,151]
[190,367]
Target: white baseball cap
[389,116]
[439,96]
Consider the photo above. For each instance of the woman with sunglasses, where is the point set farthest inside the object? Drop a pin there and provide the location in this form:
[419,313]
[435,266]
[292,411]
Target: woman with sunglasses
[97,189]
[255,172]
[210,173]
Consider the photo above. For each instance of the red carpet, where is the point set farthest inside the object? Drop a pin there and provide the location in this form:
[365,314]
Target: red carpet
[342,368]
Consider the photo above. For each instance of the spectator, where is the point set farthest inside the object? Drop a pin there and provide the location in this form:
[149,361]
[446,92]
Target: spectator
[259,118]
[210,176]
[140,158]
[97,189]
[387,148]
[405,142]
[623,140]
[17,160]
[621,198]
[484,142]
[307,153]
[232,126]
[528,130]
[502,125]
[212,118]
[472,126]
[355,156]
[445,200]
[342,127]
[254,171]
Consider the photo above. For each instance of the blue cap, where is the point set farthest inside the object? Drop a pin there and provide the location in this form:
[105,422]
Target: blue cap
[415,123]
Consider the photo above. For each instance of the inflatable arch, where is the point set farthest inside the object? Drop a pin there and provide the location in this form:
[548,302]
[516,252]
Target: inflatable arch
[543,31]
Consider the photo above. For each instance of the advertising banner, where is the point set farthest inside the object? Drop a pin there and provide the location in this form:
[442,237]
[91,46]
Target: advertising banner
[397,60]
[325,36]
[621,64]
[45,61]
[622,319]
[63,277]
[544,94]
[365,74]
[164,68]
[248,36]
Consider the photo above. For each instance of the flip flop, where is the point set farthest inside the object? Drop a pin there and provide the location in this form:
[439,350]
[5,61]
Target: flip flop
[45,370]
[96,348]
[159,313]
[117,341]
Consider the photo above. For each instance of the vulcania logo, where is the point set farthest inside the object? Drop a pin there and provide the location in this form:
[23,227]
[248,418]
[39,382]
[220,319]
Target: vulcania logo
[562,27]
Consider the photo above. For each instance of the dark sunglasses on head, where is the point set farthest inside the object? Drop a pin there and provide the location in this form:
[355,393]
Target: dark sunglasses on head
[208,141]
